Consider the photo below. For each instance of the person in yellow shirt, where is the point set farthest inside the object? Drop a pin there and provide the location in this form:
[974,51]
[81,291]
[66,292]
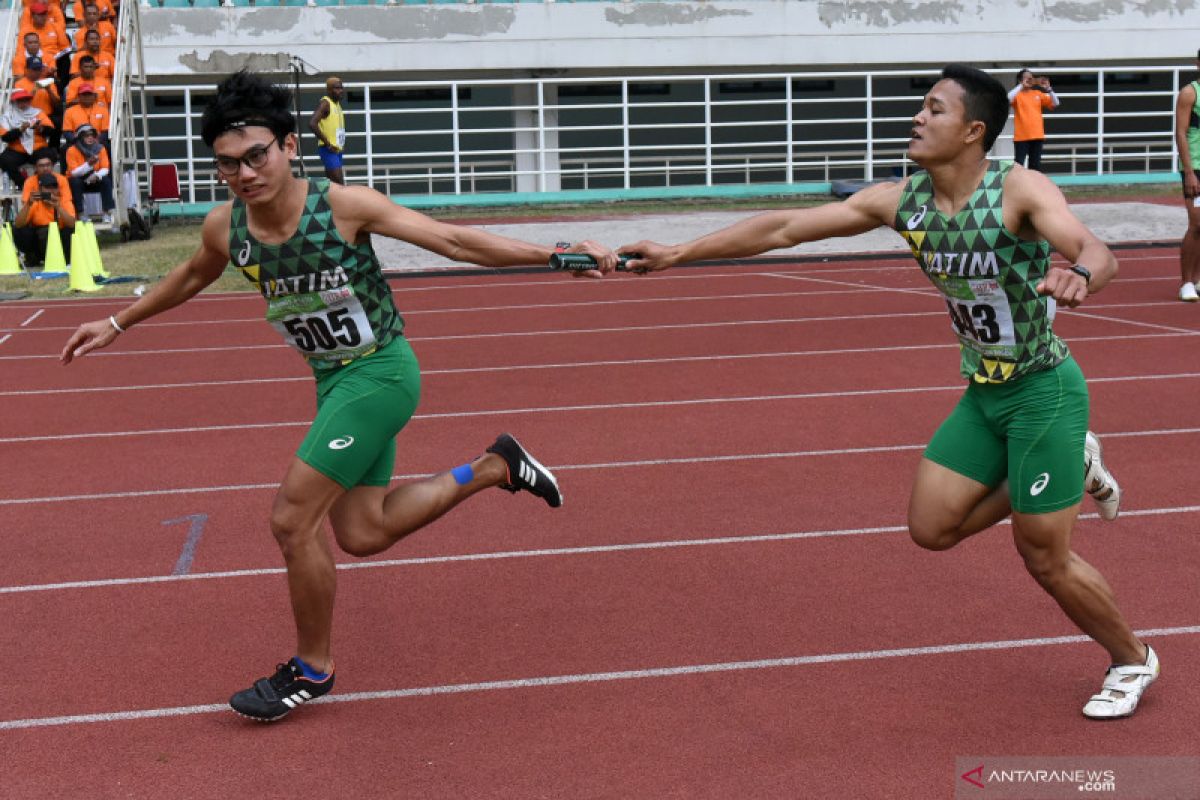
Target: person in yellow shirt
[89,170]
[93,22]
[1029,98]
[328,124]
[45,200]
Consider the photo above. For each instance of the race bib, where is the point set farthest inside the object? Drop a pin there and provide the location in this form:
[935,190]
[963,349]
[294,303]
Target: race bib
[323,326]
[340,138]
[981,316]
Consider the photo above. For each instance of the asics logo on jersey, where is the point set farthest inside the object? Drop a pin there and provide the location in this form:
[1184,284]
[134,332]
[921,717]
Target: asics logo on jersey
[243,256]
[917,218]
[341,444]
[1040,484]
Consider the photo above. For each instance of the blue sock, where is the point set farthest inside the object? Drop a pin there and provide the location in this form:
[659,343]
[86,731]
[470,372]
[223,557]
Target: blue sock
[311,673]
[463,475]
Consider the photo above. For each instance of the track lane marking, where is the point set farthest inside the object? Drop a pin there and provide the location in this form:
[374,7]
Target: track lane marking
[99,583]
[544,681]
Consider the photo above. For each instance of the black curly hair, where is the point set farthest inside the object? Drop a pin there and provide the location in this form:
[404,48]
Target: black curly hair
[246,98]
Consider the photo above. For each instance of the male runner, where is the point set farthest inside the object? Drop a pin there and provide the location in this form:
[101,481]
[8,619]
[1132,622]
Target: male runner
[305,245]
[981,231]
[328,124]
[1187,142]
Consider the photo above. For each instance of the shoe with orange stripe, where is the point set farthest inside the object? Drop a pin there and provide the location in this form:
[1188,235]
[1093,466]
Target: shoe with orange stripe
[275,697]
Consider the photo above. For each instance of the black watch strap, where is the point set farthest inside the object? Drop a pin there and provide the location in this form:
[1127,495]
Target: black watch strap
[1084,272]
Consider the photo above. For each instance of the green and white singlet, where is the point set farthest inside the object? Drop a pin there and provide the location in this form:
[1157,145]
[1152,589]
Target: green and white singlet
[988,277]
[1193,129]
[327,297]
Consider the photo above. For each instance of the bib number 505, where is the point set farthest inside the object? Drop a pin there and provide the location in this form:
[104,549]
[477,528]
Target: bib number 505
[324,332]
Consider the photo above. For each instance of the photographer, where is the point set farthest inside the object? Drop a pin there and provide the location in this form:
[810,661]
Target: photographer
[1029,98]
[45,201]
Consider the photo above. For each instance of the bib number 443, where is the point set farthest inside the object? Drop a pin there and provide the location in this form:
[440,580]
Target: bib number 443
[330,331]
[975,321]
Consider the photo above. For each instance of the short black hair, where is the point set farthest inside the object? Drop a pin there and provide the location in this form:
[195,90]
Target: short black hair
[246,98]
[44,152]
[984,99]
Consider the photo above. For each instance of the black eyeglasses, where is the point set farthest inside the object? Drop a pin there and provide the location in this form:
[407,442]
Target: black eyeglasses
[254,158]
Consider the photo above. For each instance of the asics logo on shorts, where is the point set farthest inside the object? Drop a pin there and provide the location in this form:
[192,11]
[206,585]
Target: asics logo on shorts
[1038,486]
[917,218]
[341,444]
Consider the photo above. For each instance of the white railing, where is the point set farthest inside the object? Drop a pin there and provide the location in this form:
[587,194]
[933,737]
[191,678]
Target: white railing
[623,132]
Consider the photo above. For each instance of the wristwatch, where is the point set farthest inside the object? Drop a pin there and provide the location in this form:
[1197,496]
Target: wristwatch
[1084,272]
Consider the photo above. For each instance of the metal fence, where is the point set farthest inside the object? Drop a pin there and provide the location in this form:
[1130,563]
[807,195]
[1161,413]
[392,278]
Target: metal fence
[626,132]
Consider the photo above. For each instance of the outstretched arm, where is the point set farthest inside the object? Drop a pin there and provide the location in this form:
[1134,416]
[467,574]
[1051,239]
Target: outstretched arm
[368,211]
[866,210]
[180,284]
[1044,213]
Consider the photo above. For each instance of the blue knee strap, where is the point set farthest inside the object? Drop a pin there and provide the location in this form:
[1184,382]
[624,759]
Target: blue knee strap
[463,475]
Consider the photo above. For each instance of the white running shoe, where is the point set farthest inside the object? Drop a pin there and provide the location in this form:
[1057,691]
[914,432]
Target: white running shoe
[1098,481]
[1123,688]
[1188,294]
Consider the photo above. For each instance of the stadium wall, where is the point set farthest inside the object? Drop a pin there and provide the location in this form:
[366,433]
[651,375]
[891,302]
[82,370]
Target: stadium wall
[506,38]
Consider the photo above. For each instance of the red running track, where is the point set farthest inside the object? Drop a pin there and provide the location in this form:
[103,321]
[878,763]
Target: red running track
[727,606]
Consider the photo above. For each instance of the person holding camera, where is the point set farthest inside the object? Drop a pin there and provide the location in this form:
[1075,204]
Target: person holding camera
[45,201]
[23,129]
[1030,98]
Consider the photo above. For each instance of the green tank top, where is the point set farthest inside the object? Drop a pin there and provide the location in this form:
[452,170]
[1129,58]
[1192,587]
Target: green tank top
[1193,130]
[988,278]
[326,296]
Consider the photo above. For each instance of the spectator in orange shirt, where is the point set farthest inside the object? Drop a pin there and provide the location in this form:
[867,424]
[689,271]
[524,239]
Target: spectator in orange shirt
[44,90]
[104,61]
[23,129]
[87,74]
[92,22]
[107,10]
[31,47]
[54,8]
[86,112]
[1029,98]
[46,200]
[89,170]
[53,36]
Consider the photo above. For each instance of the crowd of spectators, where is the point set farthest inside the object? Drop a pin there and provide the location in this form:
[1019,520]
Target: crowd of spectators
[55,124]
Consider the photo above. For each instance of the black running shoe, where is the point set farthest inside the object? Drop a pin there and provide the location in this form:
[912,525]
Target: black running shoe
[524,471]
[271,698]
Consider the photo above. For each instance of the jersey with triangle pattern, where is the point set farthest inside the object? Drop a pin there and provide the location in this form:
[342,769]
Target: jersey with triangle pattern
[327,297]
[988,277]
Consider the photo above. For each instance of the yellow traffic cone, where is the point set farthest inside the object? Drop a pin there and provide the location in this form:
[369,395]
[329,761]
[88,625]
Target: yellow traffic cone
[55,260]
[81,272]
[94,250]
[9,264]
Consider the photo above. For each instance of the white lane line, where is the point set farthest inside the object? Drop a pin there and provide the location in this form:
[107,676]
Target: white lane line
[942,345]
[498,412]
[544,681]
[665,544]
[924,292]
[36,314]
[5,338]
[1087,314]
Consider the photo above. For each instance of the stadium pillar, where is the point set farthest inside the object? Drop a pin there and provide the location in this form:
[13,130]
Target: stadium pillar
[535,138]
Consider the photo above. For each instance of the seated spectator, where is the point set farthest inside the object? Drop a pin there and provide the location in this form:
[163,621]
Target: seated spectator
[86,112]
[23,129]
[52,35]
[87,74]
[105,64]
[108,11]
[31,47]
[44,89]
[45,201]
[92,22]
[89,171]
[56,15]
